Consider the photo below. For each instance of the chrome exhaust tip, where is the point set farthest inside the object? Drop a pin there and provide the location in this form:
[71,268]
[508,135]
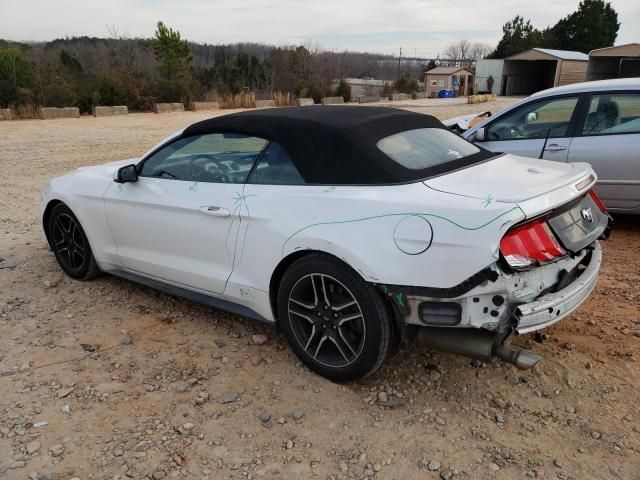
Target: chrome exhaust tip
[522,359]
[478,344]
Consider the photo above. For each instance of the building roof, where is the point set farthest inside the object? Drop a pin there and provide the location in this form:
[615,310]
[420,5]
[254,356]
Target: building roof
[549,54]
[335,145]
[627,50]
[447,70]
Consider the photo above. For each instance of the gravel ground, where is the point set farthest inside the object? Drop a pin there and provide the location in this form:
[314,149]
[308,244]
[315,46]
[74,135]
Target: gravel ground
[108,379]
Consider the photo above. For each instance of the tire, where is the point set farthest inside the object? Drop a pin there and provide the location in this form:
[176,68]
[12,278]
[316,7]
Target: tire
[355,323]
[70,244]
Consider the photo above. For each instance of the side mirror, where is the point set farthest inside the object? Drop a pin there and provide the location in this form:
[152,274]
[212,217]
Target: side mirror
[480,135]
[532,117]
[127,174]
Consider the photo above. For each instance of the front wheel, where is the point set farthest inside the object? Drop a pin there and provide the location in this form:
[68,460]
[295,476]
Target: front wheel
[70,244]
[336,323]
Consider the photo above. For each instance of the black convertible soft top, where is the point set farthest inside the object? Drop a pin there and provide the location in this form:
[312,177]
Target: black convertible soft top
[336,145]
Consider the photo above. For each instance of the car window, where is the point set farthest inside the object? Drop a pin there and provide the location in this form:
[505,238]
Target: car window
[276,168]
[613,113]
[534,120]
[425,147]
[212,158]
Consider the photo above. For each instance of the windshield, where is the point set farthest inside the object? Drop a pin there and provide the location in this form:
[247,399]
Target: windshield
[425,147]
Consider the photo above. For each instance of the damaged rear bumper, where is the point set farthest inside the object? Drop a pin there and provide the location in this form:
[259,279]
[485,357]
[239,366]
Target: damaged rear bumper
[553,307]
[481,322]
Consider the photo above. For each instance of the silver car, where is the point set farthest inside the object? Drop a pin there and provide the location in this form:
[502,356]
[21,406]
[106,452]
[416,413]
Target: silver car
[593,122]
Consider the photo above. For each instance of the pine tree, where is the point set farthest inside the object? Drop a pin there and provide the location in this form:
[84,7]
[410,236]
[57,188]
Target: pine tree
[594,25]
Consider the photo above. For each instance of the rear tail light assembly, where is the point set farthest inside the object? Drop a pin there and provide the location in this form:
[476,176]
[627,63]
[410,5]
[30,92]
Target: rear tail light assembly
[597,201]
[530,245]
[607,231]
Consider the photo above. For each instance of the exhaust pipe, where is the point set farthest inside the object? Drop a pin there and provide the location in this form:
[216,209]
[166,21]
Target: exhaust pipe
[522,359]
[475,343]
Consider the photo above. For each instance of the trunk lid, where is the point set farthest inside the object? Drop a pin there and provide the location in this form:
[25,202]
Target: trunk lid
[512,179]
[579,224]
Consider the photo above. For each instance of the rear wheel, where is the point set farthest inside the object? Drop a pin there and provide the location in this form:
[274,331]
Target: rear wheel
[337,323]
[70,244]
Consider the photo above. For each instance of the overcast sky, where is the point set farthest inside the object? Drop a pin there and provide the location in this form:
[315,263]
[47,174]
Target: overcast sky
[422,27]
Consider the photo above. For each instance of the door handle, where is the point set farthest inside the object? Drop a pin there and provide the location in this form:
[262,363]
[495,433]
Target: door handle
[215,211]
[554,147]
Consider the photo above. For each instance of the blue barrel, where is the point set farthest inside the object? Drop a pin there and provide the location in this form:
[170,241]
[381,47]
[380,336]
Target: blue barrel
[445,93]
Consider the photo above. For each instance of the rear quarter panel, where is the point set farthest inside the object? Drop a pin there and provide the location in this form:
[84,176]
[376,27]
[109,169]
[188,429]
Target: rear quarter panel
[357,225]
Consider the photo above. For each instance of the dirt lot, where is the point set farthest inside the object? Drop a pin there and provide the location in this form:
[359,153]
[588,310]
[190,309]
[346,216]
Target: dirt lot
[147,403]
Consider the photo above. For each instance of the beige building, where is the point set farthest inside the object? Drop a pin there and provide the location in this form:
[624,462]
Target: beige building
[622,61]
[540,68]
[458,79]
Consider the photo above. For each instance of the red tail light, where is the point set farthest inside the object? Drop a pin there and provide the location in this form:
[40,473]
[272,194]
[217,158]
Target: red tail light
[530,244]
[597,201]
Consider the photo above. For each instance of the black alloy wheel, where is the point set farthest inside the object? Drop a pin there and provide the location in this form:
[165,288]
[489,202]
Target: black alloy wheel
[338,324]
[326,320]
[70,244]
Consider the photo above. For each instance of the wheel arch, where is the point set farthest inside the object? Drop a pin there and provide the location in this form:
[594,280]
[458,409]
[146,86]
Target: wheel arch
[47,214]
[286,262]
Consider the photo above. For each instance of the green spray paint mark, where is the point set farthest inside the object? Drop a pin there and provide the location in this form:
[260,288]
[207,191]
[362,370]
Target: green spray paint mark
[193,187]
[120,187]
[407,214]
[487,201]
[241,199]
[400,300]
[329,189]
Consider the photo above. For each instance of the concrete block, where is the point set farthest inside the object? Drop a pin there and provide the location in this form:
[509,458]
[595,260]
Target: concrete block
[200,106]
[332,100]
[303,102]
[103,111]
[49,113]
[168,107]
[419,95]
[5,114]
[396,97]
[265,103]
[369,99]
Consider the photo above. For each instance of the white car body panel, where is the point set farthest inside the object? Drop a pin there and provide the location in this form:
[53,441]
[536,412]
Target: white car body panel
[181,241]
[510,179]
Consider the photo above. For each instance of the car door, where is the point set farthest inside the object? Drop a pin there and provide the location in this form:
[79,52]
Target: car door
[608,137]
[523,131]
[179,222]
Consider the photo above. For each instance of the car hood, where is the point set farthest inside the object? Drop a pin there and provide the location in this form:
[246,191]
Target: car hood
[107,168]
[510,178]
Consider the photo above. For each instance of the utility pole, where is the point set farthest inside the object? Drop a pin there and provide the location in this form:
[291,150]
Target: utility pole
[399,58]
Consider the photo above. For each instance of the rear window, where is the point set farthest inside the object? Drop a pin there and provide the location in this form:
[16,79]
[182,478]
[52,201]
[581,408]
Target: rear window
[425,147]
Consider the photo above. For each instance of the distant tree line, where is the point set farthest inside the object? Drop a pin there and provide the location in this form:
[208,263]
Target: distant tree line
[85,71]
[88,71]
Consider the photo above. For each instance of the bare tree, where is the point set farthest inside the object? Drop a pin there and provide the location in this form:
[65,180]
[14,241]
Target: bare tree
[465,53]
[458,52]
[479,51]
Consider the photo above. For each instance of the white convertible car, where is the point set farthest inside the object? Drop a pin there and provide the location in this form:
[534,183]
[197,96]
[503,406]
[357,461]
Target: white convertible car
[350,228]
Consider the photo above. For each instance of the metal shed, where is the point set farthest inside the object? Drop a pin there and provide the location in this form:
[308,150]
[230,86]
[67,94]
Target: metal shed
[540,68]
[457,79]
[622,61]
[487,69]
